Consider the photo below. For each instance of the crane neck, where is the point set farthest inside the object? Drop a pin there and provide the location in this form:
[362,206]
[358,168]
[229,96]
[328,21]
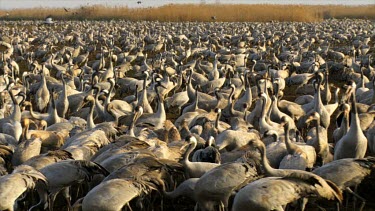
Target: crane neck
[55,116]
[274,105]
[108,98]
[189,150]
[99,107]
[23,99]
[44,81]
[326,84]
[143,98]
[25,131]
[137,114]
[362,79]
[82,85]
[291,147]
[215,64]
[231,95]
[249,96]
[337,97]
[196,101]
[265,86]
[110,115]
[190,88]
[246,80]
[217,120]
[34,115]
[264,112]
[269,171]
[277,90]
[90,117]
[110,63]
[64,87]
[136,93]
[318,149]
[354,122]
[253,67]
[145,82]
[269,111]
[345,122]
[318,100]
[232,110]
[161,111]
[16,114]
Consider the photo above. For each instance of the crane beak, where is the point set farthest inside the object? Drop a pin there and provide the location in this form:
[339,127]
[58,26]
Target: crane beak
[83,105]
[102,170]
[184,146]
[135,117]
[348,90]
[163,86]
[282,124]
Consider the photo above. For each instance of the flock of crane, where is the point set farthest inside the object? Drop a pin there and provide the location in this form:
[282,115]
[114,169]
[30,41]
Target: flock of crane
[118,115]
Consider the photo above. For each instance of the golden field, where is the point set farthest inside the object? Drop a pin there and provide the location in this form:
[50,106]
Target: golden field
[200,12]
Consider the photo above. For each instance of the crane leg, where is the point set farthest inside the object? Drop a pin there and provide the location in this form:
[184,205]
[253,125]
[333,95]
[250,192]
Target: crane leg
[128,205]
[321,208]
[196,207]
[67,197]
[21,202]
[358,196]
[225,204]
[280,209]
[76,193]
[161,203]
[303,203]
[222,206]
[347,202]
[51,199]
[317,205]
[354,198]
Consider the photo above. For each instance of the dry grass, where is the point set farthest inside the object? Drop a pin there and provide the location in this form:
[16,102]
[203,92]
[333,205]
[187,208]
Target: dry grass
[196,12]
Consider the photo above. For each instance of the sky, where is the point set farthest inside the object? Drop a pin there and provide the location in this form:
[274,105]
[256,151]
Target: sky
[12,4]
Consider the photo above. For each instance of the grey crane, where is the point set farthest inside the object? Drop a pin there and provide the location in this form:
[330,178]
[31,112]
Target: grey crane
[214,188]
[74,171]
[347,173]
[195,169]
[282,187]
[354,143]
[22,179]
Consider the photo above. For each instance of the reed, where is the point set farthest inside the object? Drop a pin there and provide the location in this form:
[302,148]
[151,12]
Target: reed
[200,12]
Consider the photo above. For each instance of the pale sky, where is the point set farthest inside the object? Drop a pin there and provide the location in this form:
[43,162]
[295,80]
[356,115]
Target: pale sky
[11,4]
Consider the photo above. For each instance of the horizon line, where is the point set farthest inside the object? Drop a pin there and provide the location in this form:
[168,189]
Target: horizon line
[158,6]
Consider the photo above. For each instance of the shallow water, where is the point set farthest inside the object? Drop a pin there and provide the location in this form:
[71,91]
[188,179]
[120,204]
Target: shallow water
[11,4]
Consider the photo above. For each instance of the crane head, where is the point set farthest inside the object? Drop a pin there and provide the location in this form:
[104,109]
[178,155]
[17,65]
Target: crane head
[191,139]
[95,168]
